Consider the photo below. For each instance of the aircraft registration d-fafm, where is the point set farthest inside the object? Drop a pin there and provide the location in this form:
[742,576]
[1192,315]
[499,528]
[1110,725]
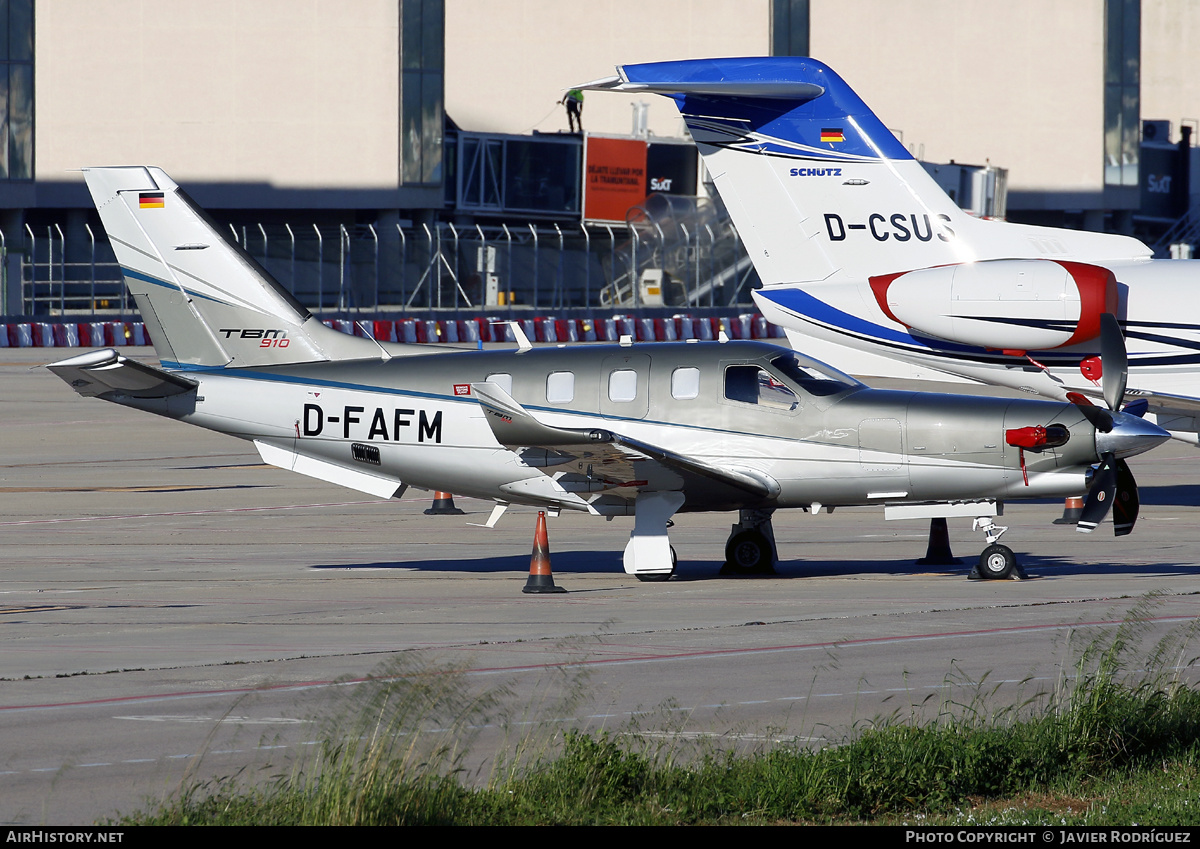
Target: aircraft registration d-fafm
[869,265]
[648,430]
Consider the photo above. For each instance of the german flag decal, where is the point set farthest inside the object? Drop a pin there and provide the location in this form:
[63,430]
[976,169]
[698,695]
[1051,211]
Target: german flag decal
[832,134]
[154,200]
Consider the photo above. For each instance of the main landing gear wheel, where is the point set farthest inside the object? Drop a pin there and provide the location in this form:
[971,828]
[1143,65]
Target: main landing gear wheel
[661,577]
[997,562]
[749,553]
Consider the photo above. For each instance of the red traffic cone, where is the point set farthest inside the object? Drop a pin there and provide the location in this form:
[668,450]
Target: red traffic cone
[443,505]
[541,580]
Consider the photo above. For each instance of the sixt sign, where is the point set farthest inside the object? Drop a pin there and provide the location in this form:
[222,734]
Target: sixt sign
[394,425]
[897,226]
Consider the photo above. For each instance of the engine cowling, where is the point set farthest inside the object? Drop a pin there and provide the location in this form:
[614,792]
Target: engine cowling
[1012,305]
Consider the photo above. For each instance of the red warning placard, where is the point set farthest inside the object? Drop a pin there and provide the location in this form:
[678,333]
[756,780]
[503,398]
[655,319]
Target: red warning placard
[614,177]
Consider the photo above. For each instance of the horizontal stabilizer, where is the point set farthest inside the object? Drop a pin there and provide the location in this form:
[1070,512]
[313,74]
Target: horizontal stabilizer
[102,372]
[784,105]
[749,77]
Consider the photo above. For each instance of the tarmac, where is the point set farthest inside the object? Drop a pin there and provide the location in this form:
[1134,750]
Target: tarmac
[176,612]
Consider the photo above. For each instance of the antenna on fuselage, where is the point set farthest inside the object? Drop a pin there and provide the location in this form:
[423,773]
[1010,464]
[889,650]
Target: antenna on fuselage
[367,334]
[523,343]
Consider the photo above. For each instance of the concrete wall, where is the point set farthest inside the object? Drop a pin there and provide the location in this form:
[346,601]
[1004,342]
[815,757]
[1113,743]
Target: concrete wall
[1171,63]
[297,96]
[508,63]
[1019,83]
[290,93]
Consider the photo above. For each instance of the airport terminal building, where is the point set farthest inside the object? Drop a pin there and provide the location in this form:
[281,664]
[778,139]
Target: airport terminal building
[416,155]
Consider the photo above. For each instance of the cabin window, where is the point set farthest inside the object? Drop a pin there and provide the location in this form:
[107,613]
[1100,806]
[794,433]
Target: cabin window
[685,383]
[622,385]
[504,381]
[753,385]
[560,387]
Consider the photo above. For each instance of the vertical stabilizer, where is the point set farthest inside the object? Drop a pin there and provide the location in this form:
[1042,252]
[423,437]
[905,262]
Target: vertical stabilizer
[818,188]
[204,301]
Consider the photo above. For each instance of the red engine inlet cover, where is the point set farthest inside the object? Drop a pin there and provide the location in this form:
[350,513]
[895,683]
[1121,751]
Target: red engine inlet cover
[1026,437]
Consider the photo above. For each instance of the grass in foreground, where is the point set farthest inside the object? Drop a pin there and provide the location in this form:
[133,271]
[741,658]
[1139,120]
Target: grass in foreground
[1108,747]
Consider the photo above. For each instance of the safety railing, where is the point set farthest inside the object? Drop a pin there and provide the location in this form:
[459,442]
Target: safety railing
[1185,230]
[436,267]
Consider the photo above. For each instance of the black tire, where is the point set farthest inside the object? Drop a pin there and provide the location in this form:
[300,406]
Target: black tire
[749,553]
[997,562]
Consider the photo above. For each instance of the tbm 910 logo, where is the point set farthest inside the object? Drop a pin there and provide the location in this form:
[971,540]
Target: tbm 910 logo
[269,338]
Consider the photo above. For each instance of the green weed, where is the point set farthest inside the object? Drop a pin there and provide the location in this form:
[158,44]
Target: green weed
[1119,721]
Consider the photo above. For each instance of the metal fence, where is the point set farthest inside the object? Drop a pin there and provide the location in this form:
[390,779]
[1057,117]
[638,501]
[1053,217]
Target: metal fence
[439,268]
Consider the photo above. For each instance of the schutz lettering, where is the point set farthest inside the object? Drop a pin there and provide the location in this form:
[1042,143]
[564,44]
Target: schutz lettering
[815,172]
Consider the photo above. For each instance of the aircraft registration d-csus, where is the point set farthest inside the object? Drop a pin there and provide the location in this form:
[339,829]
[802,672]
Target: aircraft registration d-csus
[868,264]
[610,430]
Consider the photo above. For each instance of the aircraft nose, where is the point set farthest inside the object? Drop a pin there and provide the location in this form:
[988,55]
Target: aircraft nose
[1130,435]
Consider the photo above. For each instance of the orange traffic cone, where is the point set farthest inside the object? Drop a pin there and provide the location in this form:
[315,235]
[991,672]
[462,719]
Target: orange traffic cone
[1072,510]
[541,580]
[443,505]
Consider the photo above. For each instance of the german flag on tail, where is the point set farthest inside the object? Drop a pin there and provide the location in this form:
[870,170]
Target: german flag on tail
[155,200]
[832,134]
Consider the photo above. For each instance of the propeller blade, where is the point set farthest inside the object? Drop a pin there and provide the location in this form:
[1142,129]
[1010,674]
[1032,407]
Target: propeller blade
[1125,502]
[1098,417]
[1115,361]
[1100,496]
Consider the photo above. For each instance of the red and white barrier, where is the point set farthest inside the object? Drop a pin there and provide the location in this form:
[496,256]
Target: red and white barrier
[98,334]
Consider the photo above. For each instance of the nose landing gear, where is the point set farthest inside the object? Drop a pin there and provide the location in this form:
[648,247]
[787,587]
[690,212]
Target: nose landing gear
[996,562]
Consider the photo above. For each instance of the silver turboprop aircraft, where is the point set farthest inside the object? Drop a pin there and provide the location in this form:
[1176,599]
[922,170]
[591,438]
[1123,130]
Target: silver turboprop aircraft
[613,430]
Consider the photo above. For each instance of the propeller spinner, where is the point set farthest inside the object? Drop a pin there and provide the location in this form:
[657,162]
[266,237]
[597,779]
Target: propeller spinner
[1118,435]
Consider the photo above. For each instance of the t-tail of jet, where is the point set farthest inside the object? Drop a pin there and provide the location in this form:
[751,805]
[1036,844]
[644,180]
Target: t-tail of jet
[204,301]
[818,188]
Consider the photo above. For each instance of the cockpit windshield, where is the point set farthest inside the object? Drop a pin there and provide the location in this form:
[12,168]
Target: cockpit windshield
[813,377]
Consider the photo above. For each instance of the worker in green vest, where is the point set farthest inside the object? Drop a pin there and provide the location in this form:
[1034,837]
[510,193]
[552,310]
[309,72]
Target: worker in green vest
[573,100]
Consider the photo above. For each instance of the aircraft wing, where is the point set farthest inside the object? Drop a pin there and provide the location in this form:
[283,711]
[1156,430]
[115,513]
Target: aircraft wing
[1160,403]
[101,372]
[598,458]
[1164,402]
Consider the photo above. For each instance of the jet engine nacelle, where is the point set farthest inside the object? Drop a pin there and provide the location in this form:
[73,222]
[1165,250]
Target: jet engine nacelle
[1012,305]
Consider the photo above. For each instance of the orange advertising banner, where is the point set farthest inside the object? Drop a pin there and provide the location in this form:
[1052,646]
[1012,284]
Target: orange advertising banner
[614,177]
